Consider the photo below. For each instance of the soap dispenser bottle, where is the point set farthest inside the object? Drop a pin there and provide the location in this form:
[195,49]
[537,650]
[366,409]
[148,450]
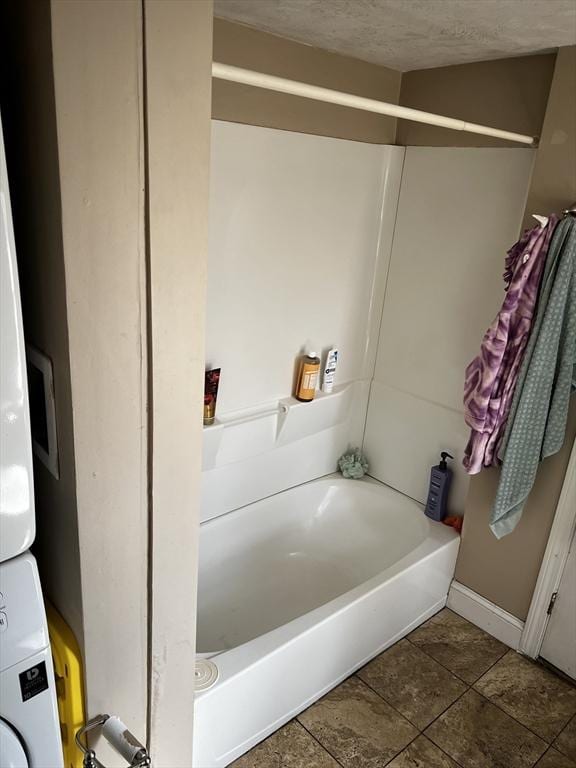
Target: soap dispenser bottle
[440,480]
[308,373]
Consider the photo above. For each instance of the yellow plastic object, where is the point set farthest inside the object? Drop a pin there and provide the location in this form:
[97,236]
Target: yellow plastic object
[69,684]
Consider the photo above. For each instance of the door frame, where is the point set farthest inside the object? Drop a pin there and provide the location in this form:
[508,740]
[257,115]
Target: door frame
[553,564]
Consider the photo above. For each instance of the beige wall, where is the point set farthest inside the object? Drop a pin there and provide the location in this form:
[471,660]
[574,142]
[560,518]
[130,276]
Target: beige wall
[32,154]
[74,119]
[76,144]
[98,96]
[506,93]
[554,179]
[245,47]
[505,571]
[178,65]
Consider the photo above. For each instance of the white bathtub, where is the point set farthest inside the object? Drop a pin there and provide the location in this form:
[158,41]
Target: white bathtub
[299,590]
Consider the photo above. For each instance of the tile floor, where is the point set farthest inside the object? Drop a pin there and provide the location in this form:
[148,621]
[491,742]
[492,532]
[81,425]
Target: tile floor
[447,696]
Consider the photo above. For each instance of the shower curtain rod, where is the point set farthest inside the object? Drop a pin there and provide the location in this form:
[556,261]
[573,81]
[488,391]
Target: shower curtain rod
[307,91]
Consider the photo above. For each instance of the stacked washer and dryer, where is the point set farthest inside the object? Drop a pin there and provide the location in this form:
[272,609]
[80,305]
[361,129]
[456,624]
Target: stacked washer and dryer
[29,727]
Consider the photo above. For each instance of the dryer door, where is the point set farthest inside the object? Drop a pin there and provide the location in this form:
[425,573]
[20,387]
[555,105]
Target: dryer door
[17,525]
[12,754]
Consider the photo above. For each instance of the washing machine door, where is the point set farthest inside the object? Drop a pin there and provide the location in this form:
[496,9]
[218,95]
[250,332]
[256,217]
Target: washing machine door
[12,754]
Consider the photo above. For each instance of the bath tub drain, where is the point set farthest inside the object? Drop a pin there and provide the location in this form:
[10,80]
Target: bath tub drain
[205,674]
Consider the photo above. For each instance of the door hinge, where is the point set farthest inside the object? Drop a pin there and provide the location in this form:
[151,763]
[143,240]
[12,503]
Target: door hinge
[551,603]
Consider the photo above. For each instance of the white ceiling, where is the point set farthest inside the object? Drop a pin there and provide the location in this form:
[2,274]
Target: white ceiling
[414,34]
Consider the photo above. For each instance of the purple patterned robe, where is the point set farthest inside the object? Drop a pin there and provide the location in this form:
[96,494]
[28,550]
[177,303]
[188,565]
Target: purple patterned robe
[491,376]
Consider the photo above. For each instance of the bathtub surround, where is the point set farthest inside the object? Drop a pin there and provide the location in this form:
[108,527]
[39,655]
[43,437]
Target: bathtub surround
[314,201]
[255,453]
[289,212]
[444,278]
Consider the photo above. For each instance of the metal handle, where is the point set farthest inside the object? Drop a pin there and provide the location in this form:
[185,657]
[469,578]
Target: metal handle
[119,737]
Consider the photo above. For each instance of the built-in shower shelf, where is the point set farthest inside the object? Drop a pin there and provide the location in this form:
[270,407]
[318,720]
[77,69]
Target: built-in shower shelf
[238,435]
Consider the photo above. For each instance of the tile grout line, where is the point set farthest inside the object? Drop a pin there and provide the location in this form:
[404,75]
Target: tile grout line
[549,743]
[557,749]
[403,716]
[527,727]
[450,670]
[471,687]
[388,761]
[468,689]
[420,732]
[385,700]
[557,737]
[464,682]
[297,719]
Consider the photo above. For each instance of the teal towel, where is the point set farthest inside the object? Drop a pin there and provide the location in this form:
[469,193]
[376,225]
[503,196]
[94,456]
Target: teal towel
[537,420]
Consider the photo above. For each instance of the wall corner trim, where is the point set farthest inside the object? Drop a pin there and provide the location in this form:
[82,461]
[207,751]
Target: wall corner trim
[553,563]
[485,615]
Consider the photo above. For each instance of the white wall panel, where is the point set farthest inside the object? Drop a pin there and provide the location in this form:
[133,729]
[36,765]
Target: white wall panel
[404,437]
[296,245]
[460,209]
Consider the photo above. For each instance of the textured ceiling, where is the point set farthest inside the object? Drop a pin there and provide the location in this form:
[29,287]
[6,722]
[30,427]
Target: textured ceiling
[414,34]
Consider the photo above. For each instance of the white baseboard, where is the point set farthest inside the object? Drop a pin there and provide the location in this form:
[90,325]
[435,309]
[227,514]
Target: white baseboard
[486,615]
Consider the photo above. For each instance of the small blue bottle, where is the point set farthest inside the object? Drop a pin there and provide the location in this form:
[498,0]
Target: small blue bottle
[440,480]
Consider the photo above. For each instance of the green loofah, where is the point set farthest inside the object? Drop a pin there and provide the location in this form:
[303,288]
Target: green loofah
[353,465]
